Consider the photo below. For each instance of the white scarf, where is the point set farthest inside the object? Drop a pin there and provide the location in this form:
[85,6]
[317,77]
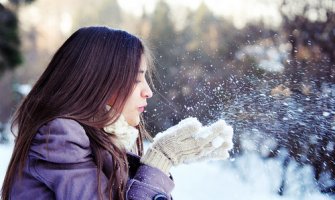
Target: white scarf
[124,133]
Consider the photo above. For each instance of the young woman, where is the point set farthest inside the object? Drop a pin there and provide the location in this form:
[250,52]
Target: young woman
[82,119]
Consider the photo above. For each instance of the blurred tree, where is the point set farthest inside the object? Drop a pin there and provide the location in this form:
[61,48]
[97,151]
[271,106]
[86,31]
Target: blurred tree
[202,28]
[103,12]
[196,64]
[20,2]
[10,55]
[162,37]
[309,26]
[206,73]
[284,121]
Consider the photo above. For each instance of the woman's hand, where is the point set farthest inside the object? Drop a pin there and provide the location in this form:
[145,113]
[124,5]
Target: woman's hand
[189,142]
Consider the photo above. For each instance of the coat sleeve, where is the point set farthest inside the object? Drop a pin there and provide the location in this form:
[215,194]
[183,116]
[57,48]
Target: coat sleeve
[149,183]
[145,182]
[61,158]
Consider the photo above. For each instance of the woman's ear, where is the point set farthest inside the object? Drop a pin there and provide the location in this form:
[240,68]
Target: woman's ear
[111,101]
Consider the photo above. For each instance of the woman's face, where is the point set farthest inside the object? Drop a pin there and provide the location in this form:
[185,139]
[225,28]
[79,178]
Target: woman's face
[137,101]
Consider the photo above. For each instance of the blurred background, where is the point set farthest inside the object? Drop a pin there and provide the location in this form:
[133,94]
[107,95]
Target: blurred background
[265,66]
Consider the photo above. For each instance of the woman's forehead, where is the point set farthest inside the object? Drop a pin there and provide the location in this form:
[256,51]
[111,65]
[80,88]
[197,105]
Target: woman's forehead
[143,65]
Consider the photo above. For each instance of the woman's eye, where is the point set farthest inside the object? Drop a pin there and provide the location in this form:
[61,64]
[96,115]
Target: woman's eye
[137,81]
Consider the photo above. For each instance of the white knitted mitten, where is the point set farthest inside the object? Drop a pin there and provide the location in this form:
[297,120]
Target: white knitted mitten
[125,134]
[188,142]
[222,144]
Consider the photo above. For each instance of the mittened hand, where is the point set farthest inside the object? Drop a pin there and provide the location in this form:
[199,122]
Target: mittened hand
[178,143]
[220,137]
[189,142]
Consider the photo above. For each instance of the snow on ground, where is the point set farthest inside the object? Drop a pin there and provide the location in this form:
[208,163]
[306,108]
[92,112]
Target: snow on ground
[248,177]
[5,153]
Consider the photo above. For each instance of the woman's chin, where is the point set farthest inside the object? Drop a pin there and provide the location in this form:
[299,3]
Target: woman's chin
[133,122]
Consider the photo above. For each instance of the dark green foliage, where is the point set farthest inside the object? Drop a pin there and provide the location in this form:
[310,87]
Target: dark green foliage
[10,55]
[18,2]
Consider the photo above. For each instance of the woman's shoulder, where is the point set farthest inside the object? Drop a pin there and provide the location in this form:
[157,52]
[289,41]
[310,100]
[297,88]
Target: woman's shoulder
[61,141]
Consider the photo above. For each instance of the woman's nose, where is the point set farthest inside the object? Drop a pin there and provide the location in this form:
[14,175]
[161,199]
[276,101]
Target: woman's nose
[147,92]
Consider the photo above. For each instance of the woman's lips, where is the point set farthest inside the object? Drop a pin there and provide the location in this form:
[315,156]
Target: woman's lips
[141,109]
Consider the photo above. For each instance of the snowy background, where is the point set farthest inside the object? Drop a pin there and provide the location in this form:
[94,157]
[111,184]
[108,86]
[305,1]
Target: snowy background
[266,67]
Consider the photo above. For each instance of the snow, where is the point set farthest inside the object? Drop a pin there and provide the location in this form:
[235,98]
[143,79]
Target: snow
[204,133]
[247,177]
[219,126]
[190,124]
[271,66]
[217,142]
[5,152]
[269,58]
[23,89]
[325,114]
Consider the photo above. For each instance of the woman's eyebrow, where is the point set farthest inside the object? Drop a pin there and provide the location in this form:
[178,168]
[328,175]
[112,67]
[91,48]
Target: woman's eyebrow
[141,71]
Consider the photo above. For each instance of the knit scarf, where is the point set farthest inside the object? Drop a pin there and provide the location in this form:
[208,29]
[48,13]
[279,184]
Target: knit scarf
[125,134]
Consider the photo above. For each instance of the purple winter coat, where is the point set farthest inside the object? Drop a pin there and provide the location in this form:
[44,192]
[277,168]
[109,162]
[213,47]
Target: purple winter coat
[60,166]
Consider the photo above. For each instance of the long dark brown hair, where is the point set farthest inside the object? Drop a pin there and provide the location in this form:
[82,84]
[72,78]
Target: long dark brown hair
[93,66]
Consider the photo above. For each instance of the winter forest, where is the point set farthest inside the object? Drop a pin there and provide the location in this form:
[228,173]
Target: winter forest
[266,67]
